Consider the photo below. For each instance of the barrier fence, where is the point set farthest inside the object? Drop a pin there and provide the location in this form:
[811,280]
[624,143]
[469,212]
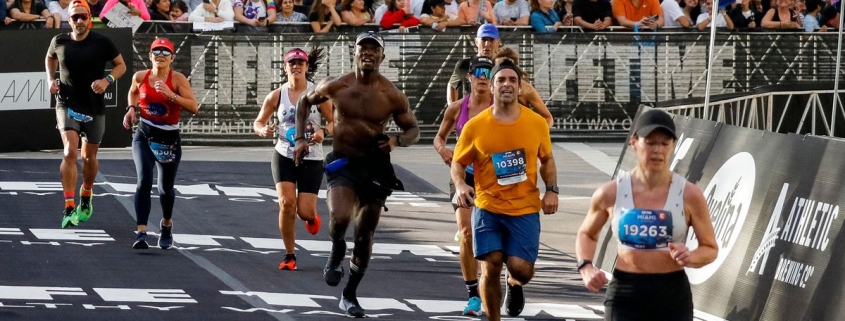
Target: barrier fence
[774,202]
[591,81]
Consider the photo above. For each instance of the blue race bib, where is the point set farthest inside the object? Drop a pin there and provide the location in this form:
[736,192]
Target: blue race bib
[510,166]
[290,134]
[157,109]
[80,117]
[645,229]
[164,153]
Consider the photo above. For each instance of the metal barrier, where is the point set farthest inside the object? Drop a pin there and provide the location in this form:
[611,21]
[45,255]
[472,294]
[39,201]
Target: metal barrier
[591,81]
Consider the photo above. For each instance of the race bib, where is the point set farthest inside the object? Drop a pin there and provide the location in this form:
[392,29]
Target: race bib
[645,229]
[80,117]
[164,153]
[290,134]
[157,109]
[510,166]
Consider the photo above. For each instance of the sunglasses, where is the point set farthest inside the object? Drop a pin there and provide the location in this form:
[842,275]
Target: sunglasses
[478,72]
[80,16]
[161,52]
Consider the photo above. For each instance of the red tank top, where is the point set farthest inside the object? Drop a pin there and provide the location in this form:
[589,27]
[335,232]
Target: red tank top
[155,107]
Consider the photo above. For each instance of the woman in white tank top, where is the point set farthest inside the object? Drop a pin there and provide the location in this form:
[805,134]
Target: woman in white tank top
[297,186]
[651,210]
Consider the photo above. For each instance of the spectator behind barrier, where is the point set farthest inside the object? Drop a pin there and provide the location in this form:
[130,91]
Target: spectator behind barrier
[354,13]
[299,6]
[811,20]
[287,13]
[564,12]
[830,15]
[160,10]
[642,14]
[324,16]
[58,9]
[29,10]
[512,12]
[674,16]
[396,14]
[745,15]
[720,18]
[437,17]
[469,13]
[254,14]
[543,18]
[379,13]
[415,7]
[96,7]
[137,8]
[782,16]
[213,11]
[179,11]
[592,14]
[5,19]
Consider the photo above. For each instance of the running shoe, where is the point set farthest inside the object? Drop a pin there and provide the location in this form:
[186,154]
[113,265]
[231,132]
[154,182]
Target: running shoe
[458,236]
[473,307]
[165,238]
[141,241]
[351,306]
[288,264]
[85,209]
[516,300]
[69,217]
[332,274]
[315,227]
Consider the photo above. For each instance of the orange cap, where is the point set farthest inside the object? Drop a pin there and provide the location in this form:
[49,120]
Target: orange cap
[78,3]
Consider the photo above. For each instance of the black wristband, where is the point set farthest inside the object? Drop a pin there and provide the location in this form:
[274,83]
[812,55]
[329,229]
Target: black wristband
[298,138]
[130,106]
[325,132]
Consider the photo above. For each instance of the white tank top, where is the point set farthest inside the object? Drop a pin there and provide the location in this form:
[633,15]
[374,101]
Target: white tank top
[287,130]
[648,229]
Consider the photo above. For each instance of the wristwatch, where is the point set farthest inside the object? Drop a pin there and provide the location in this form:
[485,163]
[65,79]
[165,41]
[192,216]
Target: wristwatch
[553,189]
[582,264]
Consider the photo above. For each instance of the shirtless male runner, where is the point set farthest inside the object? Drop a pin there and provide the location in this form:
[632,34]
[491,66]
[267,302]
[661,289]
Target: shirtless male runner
[359,174]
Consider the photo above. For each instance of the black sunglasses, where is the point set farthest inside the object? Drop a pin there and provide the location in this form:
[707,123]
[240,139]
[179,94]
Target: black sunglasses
[79,16]
[162,52]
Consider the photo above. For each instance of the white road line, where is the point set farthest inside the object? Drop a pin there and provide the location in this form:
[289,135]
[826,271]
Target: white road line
[594,157]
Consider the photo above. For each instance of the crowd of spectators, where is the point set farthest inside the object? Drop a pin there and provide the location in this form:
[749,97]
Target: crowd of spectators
[404,15]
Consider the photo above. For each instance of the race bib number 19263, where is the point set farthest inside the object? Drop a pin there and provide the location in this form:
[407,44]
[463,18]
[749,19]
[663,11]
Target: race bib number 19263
[645,229]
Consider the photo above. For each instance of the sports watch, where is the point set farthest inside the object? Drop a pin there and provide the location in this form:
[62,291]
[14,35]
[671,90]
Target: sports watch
[582,264]
[553,189]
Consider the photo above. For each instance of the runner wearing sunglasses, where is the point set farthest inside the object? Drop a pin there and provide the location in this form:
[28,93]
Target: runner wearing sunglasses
[455,117]
[80,57]
[160,93]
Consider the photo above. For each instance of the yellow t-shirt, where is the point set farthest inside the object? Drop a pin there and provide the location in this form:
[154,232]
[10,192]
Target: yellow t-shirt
[504,156]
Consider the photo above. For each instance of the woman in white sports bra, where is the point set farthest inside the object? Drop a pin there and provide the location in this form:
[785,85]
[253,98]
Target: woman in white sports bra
[650,209]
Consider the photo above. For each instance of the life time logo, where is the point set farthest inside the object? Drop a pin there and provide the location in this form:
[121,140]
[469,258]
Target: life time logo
[808,225]
[729,196]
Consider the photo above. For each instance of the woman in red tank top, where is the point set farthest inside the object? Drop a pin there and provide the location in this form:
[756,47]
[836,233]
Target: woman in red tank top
[160,94]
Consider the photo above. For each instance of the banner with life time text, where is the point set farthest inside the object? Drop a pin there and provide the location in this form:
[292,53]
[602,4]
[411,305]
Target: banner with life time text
[774,202]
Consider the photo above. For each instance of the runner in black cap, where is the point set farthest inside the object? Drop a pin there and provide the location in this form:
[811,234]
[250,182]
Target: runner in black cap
[651,210]
[359,174]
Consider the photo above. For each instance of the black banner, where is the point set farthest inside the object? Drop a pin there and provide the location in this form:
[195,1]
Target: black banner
[27,114]
[774,201]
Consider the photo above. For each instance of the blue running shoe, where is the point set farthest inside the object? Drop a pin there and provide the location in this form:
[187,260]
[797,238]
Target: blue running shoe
[473,307]
[165,238]
[141,241]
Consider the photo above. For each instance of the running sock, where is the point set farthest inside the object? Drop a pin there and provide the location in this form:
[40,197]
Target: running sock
[85,195]
[472,288]
[290,257]
[355,275]
[69,199]
[338,251]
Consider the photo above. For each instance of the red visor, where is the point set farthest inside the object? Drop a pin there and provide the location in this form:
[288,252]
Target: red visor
[162,43]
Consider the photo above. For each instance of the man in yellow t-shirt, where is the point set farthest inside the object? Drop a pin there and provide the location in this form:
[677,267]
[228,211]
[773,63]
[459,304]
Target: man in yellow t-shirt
[503,143]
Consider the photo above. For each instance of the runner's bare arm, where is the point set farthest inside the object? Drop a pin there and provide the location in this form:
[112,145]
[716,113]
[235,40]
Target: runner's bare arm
[134,95]
[259,126]
[118,67]
[405,119]
[315,96]
[587,239]
[696,204]
[184,95]
[327,110]
[450,117]
[539,105]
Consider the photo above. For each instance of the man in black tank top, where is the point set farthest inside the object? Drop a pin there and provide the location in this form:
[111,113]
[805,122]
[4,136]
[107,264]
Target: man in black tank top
[80,57]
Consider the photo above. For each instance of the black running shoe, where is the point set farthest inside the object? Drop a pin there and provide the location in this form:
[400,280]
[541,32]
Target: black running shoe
[351,306]
[516,300]
[332,274]
[165,238]
[141,241]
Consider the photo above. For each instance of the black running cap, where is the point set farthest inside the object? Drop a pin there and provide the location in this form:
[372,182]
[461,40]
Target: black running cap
[653,119]
[370,35]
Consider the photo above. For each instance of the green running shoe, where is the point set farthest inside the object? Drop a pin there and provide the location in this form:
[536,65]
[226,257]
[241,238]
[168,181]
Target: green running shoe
[84,210]
[69,218]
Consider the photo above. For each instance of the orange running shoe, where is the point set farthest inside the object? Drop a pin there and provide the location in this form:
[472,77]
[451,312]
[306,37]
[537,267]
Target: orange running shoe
[289,263]
[313,228]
